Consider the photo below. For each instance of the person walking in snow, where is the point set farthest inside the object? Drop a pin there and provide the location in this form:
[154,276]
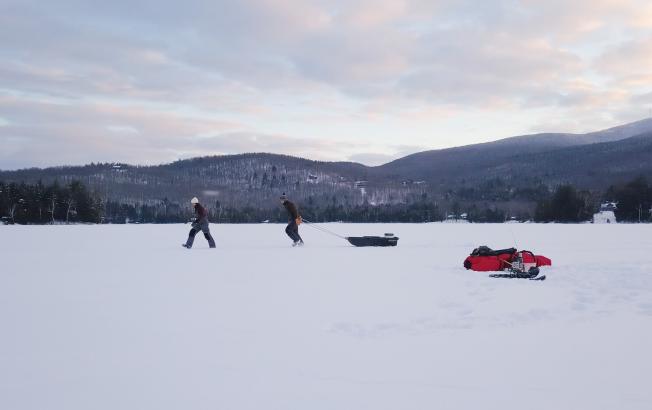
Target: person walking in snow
[292,230]
[200,223]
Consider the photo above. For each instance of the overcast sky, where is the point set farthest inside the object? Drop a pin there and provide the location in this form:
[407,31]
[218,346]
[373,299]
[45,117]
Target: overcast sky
[153,81]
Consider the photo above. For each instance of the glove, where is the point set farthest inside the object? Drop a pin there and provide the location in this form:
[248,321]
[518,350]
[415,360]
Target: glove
[298,220]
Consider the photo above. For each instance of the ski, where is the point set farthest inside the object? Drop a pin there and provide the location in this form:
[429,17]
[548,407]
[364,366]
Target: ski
[518,275]
[511,276]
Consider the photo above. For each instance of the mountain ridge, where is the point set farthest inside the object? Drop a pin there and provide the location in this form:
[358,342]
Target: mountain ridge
[515,170]
[548,139]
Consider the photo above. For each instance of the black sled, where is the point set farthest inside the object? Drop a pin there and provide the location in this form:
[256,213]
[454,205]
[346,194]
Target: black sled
[388,240]
[360,241]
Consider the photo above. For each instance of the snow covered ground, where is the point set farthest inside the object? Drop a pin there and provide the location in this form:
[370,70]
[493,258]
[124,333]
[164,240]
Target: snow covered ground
[122,317]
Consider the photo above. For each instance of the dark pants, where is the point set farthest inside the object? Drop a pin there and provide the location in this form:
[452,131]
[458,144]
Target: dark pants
[200,226]
[293,231]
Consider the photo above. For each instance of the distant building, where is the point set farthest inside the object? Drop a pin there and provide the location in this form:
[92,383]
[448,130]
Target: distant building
[362,186]
[452,218]
[412,182]
[607,214]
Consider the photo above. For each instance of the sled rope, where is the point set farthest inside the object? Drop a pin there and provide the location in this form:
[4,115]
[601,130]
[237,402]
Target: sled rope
[324,230]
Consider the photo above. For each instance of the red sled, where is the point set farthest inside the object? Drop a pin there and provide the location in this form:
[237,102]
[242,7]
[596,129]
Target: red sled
[485,259]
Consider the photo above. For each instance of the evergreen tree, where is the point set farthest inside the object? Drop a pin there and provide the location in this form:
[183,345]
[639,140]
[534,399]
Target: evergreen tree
[634,200]
[565,205]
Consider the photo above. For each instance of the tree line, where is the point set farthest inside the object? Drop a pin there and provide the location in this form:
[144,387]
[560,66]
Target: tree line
[54,203]
[73,202]
[567,204]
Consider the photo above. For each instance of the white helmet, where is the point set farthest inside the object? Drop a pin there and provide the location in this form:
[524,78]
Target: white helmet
[194,201]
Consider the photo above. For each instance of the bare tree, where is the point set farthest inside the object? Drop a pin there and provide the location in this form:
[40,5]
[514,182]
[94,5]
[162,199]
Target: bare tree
[70,205]
[12,211]
[52,208]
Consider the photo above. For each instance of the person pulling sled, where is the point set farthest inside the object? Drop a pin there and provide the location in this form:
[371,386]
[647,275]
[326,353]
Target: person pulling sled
[200,223]
[292,230]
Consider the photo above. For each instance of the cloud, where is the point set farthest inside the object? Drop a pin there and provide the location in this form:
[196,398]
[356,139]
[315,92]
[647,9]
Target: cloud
[152,76]
[629,63]
[371,159]
[644,98]
[375,158]
[238,142]
[104,132]
[79,133]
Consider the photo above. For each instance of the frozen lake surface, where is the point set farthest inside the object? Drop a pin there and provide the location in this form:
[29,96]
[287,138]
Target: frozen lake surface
[122,317]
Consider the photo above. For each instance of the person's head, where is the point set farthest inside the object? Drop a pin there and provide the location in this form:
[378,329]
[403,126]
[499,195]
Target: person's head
[194,201]
[283,198]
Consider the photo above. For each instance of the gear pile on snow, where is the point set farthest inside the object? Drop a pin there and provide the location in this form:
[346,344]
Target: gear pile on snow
[516,264]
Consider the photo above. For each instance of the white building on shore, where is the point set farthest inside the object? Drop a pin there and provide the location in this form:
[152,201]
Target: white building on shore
[606,215]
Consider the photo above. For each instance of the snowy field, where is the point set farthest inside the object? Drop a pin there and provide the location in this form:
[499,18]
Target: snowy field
[122,317]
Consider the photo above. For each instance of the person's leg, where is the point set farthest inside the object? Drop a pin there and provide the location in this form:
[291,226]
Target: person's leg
[207,234]
[191,238]
[209,238]
[289,230]
[297,234]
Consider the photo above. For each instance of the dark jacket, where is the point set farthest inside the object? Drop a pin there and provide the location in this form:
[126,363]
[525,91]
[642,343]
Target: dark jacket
[292,210]
[201,213]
